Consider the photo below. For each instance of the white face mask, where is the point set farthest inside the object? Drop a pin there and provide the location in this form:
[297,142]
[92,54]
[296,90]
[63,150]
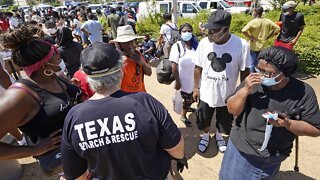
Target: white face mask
[267,134]
[50,31]
[62,66]
[286,13]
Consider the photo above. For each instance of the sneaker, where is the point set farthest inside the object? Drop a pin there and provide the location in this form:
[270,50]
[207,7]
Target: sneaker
[221,143]
[23,142]
[186,121]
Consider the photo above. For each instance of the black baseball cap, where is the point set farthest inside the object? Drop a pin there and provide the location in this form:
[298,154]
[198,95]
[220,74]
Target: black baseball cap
[219,18]
[284,59]
[99,58]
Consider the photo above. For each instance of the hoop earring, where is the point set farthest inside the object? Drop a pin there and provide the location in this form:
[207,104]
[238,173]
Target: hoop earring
[48,72]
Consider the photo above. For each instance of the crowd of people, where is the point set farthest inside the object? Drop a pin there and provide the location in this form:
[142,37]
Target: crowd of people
[84,96]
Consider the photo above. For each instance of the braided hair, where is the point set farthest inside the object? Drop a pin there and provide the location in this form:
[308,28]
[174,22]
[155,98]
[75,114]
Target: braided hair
[27,47]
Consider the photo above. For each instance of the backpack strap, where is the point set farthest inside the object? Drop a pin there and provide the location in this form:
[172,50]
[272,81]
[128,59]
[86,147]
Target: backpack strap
[179,49]
[172,29]
[169,26]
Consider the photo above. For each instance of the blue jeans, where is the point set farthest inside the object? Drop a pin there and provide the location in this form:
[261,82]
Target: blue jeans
[254,58]
[236,165]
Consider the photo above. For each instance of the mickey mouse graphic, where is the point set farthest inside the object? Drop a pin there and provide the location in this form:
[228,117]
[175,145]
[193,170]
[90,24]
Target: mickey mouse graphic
[219,64]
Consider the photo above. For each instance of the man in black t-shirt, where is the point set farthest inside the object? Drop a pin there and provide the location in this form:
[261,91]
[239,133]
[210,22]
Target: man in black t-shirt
[117,135]
[263,134]
[292,26]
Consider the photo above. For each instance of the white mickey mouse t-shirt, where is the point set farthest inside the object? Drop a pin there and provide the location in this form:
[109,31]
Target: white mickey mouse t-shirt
[185,65]
[221,65]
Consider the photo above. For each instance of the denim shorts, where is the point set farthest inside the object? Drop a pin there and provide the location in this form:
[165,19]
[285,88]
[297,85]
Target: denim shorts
[239,166]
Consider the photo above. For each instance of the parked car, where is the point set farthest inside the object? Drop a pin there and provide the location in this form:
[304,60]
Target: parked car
[94,7]
[184,8]
[134,5]
[60,8]
[44,7]
[213,5]
[267,5]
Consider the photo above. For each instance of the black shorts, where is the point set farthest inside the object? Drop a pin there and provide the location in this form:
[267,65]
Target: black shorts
[223,118]
[187,99]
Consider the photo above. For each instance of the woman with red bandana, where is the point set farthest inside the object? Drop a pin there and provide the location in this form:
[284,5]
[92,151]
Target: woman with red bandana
[36,104]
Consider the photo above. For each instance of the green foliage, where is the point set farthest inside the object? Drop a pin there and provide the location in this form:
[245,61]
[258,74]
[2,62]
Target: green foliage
[307,47]
[13,7]
[6,2]
[104,22]
[31,2]
[151,25]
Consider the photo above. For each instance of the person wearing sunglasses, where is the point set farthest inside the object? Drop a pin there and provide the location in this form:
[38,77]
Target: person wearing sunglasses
[219,60]
[265,128]
[135,66]
[38,102]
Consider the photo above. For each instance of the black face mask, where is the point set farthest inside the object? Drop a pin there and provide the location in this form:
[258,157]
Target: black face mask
[219,36]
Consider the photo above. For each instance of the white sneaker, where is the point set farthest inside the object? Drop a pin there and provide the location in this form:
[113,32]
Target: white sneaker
[23,142]
[221,143]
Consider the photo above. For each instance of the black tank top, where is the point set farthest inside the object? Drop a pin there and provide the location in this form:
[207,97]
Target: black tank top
[53,111]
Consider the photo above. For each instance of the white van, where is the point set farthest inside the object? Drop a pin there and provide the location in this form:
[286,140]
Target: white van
[44,7]
[94,7]
[185,9]
[213,5]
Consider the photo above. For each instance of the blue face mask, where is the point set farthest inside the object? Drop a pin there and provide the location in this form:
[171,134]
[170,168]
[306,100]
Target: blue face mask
[270,81]
[186,36]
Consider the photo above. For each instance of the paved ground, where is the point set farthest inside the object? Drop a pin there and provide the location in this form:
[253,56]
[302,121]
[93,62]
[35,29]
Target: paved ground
[206,166]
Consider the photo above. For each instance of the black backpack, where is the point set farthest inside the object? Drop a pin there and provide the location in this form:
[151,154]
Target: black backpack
[164,70]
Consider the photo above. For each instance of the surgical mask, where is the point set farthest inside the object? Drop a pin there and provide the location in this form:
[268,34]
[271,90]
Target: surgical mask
[50,31]
[286,13]
[267,134]
[186,36]
[219,36]
[270,81]
[62,66]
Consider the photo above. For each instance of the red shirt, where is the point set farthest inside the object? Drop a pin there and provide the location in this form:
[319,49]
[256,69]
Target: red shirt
[4,24]
[87,92]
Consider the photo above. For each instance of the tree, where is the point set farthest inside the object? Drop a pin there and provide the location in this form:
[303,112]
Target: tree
[6,2]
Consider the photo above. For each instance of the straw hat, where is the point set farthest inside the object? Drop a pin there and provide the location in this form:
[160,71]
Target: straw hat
[125,34]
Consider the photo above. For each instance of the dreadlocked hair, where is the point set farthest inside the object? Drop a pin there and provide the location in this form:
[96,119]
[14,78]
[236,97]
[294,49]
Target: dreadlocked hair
[26,45]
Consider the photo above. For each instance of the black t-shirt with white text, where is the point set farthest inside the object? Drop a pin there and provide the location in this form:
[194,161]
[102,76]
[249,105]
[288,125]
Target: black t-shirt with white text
[290,26]
[122,136]
[248,132]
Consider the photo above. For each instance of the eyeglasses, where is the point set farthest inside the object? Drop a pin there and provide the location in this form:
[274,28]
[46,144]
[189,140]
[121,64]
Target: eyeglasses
[265,73]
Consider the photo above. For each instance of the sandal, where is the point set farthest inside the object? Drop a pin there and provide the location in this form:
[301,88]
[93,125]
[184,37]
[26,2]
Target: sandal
[203,144]
[222,145]
[186,121]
